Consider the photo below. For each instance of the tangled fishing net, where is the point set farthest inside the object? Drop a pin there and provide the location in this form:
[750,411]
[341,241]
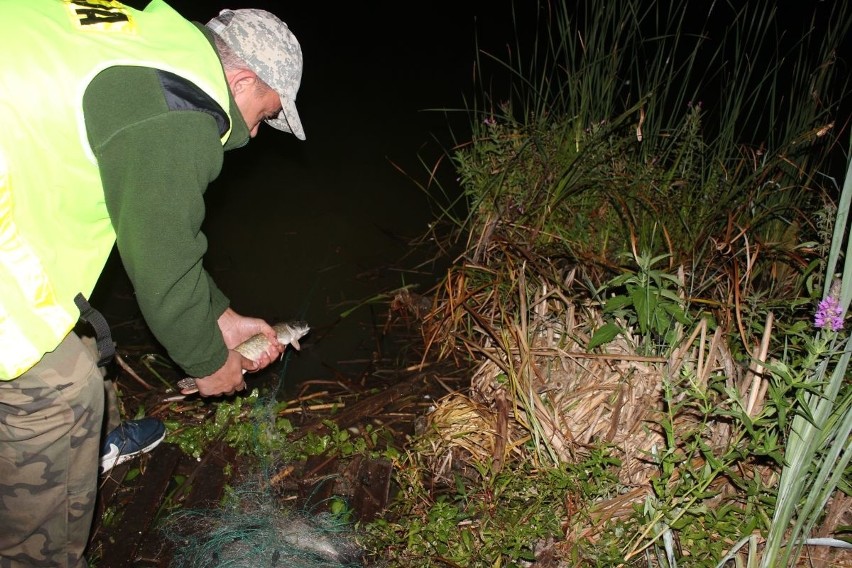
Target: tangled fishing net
[252,526]
[252,529]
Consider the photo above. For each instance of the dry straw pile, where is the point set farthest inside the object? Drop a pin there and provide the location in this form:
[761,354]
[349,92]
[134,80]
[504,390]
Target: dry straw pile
[538,394]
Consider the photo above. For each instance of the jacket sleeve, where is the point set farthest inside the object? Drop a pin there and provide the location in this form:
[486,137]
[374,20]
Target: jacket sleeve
[155,166]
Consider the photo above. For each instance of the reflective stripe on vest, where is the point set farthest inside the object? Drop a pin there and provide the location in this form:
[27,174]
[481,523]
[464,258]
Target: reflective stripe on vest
[24,288]
[55,231]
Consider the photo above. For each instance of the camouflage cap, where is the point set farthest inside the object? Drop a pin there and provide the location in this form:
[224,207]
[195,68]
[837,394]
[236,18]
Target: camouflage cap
[268,46]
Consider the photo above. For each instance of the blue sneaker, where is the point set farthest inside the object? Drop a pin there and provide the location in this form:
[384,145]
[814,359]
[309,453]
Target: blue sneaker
[131,438]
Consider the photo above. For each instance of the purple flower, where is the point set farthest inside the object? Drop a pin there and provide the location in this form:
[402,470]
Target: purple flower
[829,315]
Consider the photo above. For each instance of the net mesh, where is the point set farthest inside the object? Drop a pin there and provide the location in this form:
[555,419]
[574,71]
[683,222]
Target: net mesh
[252,528]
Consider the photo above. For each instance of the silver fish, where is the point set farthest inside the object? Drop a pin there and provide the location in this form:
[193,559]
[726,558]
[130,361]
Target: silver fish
[322,539]
[289,333]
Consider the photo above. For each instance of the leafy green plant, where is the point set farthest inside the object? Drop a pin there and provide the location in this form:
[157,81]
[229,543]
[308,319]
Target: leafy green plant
[648,301]
[498,520]
[341,443]
[691,498]
[247,424]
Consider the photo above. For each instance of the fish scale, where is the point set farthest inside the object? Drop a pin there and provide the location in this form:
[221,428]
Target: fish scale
[288,333]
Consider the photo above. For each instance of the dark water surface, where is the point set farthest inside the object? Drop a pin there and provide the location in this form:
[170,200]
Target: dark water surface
[311,229]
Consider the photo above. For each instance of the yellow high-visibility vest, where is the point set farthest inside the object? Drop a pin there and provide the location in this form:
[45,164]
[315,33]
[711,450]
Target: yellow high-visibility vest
[55,232]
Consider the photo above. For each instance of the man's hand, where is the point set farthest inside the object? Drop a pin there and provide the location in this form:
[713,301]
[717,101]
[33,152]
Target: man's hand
[236,329]
[228,379]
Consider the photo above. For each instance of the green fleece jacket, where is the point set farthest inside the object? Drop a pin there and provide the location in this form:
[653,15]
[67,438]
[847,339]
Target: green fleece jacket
[155,166]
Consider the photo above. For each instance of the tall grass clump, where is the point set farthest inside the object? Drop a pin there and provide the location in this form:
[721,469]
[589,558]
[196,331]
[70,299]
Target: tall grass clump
[693,132]
[651,220]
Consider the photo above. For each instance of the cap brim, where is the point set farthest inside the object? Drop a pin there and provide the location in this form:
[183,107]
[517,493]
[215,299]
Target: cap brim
[288,120]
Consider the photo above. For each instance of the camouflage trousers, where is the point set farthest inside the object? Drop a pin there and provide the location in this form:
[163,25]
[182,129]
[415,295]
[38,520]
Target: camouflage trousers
[50,425]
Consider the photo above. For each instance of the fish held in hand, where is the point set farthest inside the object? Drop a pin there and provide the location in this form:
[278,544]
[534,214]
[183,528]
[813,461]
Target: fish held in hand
[288,333]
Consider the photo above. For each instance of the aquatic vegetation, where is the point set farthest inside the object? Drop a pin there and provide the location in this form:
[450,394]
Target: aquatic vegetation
[243,423]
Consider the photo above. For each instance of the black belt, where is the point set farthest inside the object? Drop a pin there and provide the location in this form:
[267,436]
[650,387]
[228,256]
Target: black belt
[106,347]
